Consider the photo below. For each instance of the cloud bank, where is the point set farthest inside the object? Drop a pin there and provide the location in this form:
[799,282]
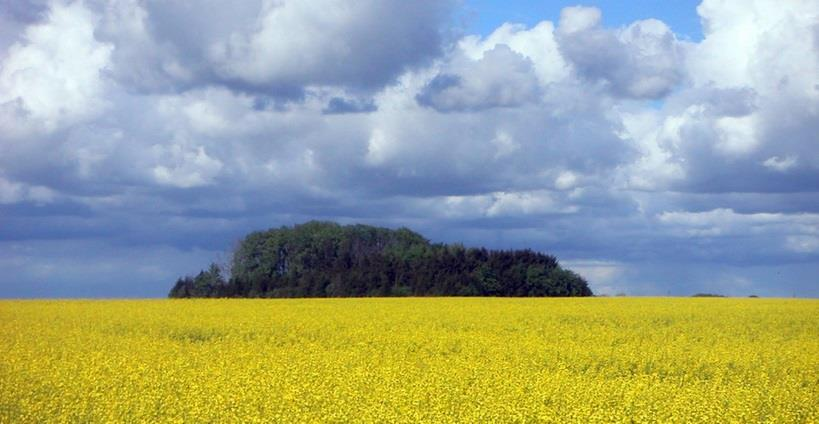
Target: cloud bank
[140,139]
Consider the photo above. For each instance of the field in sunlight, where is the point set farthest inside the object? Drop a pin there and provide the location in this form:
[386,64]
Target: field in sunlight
[410,359]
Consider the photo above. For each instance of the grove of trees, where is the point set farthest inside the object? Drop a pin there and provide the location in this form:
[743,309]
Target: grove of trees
[325,259]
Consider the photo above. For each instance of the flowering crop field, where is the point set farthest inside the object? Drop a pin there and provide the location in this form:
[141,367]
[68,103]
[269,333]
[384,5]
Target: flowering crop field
[410,360]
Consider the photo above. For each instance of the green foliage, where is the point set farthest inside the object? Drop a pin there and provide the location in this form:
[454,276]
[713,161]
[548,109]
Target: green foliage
[208,283]
[325,259]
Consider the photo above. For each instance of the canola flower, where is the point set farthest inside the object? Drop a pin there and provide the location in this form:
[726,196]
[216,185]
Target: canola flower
[410,360]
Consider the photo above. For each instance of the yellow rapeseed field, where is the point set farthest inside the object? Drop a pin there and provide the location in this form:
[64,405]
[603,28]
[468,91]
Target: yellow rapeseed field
[410,360]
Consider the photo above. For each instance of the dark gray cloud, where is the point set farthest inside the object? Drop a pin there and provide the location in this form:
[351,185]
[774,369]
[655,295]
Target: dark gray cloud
[23,12]
[133,142]
[83,268]
[273,48]
[643,60]
[338,105]
[501,78]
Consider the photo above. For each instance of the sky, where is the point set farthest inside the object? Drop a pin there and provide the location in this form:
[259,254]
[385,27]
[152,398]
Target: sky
[655,147]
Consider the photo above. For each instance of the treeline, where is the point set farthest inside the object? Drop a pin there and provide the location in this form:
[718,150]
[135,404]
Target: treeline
[324,259]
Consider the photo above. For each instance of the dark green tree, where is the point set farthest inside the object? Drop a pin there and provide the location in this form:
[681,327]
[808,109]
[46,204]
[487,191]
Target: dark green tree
[319,259]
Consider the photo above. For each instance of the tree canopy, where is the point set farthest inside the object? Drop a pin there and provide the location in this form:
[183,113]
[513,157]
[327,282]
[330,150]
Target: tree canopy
[325,259]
